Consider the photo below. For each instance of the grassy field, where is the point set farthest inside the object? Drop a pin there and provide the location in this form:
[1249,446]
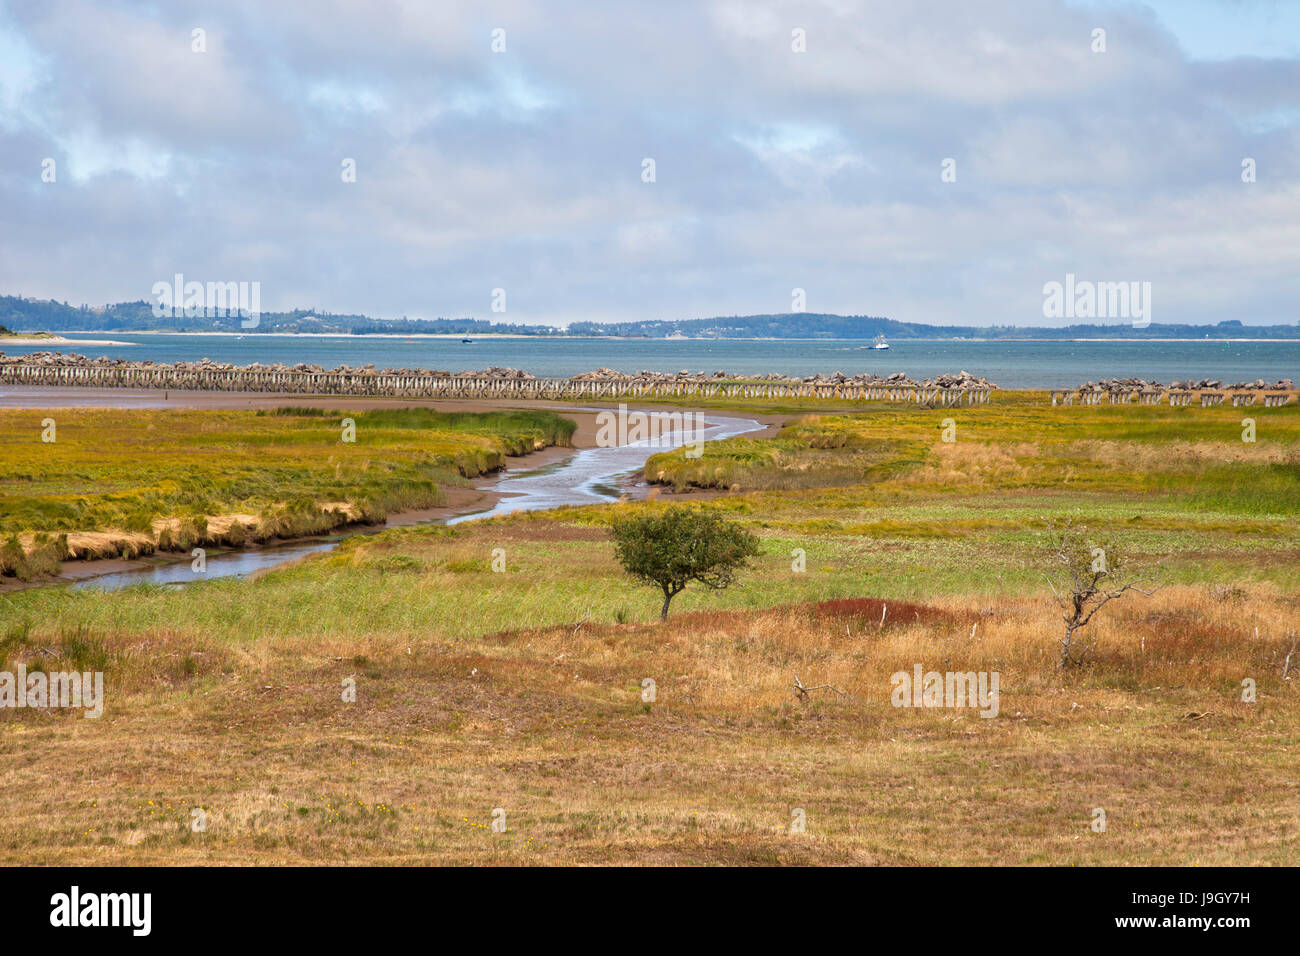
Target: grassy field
[522,689]
[126,482]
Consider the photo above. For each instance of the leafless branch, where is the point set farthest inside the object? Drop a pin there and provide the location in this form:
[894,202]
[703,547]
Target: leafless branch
[802,692]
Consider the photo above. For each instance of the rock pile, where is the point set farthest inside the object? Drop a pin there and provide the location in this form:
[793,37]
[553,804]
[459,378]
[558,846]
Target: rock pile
[1190,385]
[75,360]
[958,380]
[497,372]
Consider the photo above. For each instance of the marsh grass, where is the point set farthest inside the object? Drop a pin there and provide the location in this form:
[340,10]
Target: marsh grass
[28,561]
[1192,456]
[127,483]
[522,689]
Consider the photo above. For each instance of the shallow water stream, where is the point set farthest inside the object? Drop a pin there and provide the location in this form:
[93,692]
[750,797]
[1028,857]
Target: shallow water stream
[590,476]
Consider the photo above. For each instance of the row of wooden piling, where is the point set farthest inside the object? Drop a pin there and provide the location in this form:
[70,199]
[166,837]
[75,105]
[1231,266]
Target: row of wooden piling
[411,385]
[1207,397]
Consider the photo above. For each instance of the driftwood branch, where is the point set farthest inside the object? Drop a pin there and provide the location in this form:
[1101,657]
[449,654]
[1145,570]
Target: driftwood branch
[802,691]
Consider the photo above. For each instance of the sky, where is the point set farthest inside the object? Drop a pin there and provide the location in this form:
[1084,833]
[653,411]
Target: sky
[935,162]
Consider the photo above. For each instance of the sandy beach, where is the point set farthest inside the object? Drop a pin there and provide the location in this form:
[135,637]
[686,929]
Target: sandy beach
[55,339]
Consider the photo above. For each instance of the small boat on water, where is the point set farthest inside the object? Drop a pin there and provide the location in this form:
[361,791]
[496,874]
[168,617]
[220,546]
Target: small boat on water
[878,344]
[467,341]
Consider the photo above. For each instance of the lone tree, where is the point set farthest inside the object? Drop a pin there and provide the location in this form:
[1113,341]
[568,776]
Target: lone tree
[671,548]
[1084,578]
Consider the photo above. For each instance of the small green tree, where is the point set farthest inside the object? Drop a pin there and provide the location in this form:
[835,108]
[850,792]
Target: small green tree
[671,548]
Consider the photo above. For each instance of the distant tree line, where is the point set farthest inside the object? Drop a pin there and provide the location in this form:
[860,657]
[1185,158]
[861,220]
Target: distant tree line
[34,315]
[809,325]
[447,327]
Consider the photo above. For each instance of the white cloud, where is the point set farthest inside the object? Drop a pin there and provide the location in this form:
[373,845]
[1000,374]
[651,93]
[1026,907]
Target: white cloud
[774,168]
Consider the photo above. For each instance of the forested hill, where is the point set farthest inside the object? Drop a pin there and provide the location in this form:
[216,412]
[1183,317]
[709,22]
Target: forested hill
[44,315]
[811,325]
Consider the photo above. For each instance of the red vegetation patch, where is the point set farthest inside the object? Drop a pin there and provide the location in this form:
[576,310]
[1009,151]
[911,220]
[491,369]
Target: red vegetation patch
[870,610]
[860,611]
[839,611]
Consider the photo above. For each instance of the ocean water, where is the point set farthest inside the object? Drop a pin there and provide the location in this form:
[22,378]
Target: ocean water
[1009,364]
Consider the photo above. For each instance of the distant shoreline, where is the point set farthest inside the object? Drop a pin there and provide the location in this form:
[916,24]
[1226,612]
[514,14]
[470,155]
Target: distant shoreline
[329,335]
[56,338]
[485,336]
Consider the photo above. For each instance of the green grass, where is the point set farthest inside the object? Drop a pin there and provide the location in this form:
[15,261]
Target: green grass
[521,688]
[433,582]
[124,469]
[1193,458]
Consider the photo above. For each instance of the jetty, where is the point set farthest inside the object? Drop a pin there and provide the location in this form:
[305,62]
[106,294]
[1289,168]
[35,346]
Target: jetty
[498,383]
[1207,393]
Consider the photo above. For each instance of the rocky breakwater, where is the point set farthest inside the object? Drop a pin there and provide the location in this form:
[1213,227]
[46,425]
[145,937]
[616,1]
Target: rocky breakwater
[899,379]
[76,360]
[947,389]
[56,368]
[1208,391]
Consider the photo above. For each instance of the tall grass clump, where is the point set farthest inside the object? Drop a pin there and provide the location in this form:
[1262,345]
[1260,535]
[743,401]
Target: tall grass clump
[43,557]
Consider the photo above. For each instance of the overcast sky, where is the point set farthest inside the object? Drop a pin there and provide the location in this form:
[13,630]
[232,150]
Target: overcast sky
[774,169]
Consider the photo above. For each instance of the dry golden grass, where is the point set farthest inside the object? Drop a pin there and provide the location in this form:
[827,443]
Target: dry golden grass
[1141,456]
[93,545]
[522,690]
[972,466]
[550,726]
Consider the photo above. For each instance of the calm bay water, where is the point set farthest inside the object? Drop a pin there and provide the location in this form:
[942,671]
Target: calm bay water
[1009,364]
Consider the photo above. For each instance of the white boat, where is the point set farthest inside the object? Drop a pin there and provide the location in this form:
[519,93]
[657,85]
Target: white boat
[879,343]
